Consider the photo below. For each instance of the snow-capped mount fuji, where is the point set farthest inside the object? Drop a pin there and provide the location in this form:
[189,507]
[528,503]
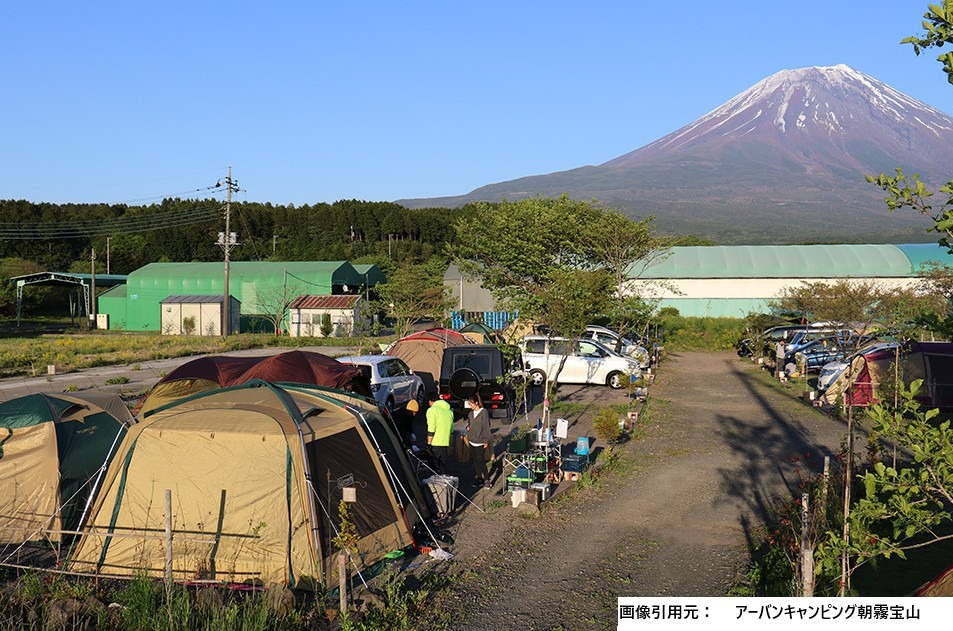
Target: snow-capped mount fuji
[822,113]
[784,161]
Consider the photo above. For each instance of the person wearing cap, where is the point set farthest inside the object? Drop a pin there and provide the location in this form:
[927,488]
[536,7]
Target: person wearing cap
[407,422]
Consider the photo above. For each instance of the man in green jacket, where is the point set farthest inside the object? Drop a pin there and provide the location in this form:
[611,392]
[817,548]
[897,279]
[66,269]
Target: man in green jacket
[439,429]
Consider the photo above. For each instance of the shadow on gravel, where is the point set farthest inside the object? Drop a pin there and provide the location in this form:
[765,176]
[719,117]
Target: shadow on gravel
[774,454]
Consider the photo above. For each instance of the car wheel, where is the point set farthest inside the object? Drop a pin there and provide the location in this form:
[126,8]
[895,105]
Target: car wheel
[616,380]
[537,377]
[420,398]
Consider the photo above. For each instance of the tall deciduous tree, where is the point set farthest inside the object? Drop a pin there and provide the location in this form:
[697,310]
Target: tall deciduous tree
[537,256]
[414,292]
[625,248]
[522,251]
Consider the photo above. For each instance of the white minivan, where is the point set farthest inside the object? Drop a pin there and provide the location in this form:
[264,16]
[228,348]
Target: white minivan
[586,361]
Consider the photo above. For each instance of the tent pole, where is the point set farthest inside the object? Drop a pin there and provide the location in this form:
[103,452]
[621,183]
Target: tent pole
[99,477]
[310,485]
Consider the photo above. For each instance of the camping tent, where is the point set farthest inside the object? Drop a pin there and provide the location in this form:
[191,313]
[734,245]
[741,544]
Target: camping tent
[423,352]
[480,333]
[384,437]
[255,474]
[52,446]
[212,372]
[519,328]
[870,374]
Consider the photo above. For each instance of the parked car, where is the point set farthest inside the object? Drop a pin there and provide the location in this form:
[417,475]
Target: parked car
[832,370]
[586,361]
[485,369]
[772,335]
[629,348]
[815,354]
[822,347]
[393,383]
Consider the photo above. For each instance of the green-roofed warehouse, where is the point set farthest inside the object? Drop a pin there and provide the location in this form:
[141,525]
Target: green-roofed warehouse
[732,281]
[250,282]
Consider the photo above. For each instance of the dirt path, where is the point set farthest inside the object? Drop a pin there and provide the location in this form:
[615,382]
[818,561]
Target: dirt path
[673,520]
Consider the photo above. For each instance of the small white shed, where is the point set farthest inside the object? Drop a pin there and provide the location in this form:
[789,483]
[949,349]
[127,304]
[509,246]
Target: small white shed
[198,315]
[347,314]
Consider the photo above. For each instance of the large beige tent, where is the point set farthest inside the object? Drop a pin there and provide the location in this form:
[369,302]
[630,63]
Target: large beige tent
[52,449]
[423,352]
[256,474]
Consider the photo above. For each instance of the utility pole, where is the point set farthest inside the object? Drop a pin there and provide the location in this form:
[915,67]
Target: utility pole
[91,307]
[227,240]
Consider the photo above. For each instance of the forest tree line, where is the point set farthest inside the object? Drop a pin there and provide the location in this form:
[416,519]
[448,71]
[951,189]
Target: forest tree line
[38,237]
[46,234]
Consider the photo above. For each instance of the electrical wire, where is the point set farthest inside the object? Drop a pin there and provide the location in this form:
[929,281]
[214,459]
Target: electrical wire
[103,227]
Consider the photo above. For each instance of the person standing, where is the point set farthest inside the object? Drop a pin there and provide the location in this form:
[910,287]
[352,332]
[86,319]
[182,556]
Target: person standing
[439,429]
[406,425]
[480,440]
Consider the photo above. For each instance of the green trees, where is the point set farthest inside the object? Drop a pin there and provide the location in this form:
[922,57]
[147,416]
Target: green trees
[56,236]
[558,262]
[624,248]
[535,256]
[905,506]
[414,292]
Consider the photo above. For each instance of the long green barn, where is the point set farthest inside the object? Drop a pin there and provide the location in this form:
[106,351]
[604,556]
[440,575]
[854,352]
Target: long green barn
[136,306]
[734,280]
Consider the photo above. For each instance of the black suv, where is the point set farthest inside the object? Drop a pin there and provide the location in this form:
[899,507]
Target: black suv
[483,369]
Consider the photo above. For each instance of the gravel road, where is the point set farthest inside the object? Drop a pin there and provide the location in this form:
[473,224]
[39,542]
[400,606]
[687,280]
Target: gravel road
[721,442]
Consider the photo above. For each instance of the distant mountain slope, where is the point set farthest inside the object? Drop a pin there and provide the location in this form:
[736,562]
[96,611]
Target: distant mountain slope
[783,161]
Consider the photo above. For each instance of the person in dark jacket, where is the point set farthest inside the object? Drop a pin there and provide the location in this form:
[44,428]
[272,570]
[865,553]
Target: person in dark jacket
[480,440]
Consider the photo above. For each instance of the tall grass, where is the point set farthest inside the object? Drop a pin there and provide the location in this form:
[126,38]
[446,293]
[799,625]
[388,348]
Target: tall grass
[39,601]
[701,334]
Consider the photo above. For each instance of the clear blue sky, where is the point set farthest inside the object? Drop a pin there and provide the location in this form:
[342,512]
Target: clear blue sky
[312,101]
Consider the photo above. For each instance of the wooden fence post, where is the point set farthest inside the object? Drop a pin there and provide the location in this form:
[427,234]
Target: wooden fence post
[807,550]
[342,572]
[168,538]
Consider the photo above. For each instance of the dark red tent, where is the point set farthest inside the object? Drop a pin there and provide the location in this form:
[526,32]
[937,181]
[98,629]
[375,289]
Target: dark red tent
[215,371]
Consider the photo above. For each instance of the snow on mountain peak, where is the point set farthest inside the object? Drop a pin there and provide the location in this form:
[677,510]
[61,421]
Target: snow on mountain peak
[821,100]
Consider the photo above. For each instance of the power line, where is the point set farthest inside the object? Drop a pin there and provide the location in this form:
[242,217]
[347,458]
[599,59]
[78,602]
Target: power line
[98,228]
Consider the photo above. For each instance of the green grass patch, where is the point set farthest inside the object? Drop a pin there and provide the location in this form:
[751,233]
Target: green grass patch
[702,334]
[71,352]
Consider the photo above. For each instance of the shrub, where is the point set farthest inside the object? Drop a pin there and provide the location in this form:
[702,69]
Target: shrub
[606,425]
[326,326]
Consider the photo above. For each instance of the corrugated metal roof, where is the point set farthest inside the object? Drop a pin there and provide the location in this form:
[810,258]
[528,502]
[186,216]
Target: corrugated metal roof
[793,261]
[192,299]
[325,302]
